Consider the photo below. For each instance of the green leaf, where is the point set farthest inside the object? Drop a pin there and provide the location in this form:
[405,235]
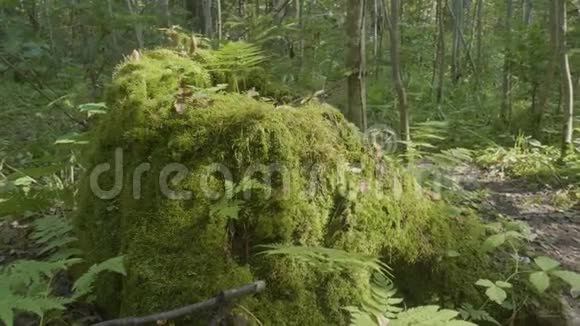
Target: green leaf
[496,294]
[6,314]
[72,139]
[494,241]
[540,280]
[573,279]
[93,108]
[546,263]
[485,283]
[503,285]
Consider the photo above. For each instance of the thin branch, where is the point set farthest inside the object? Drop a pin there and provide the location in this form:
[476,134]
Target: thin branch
[223,297]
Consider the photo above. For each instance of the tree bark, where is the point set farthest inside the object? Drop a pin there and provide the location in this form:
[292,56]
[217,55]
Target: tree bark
[355,62]
[403,105]
[544,91]
[138,28]
[113,31]
[440,55]
[567,85]
[458,15]
[219,19]
[165,13]
[506,105]
[479,42]
[207,18]
[527,7]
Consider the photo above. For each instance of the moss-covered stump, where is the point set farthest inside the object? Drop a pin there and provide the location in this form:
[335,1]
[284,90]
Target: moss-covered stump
[325,190]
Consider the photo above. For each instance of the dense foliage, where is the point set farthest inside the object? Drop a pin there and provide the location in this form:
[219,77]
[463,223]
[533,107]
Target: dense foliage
[487,85]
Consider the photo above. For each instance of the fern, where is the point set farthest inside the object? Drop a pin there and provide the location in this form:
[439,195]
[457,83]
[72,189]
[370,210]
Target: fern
[328,259]
[429,316]
[377,305]
[54,234]
[25,286]
[235,63]
[25,273]
[38,305]
[84,285]
[469,312]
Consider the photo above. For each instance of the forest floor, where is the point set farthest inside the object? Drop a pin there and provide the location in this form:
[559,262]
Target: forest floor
[554,218]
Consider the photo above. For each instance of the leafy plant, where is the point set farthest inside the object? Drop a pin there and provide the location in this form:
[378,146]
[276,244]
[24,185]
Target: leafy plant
[549,268]
[378,306]
[26,285]
[495,291]
[469,312]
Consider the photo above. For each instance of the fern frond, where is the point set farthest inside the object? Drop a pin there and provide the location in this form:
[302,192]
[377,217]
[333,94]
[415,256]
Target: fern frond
[469,312]
[429,315]
[26,272]
[49,228]
[53,234]
[84,284]
[327,258]
[24,286]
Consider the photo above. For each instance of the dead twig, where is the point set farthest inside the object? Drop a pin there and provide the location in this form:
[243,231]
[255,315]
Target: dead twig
[225,296]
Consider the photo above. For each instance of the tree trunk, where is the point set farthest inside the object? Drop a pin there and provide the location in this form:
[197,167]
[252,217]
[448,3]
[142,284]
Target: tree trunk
[138,28]
[458,15]
[527,11]
[439,72]
[207,18]
[355,62]
[165,13]
[113,31]
[567,85]
[544,92]
[506,105]
[219,19]
[403,105]
[479,43]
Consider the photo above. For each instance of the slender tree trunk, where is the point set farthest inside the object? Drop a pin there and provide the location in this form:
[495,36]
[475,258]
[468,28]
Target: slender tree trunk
[300,19]
[355,62]
[479,43]
[567,85]
[113,31]
[544,91]
[48,24]
[403,105]
[138,28]
[506,106]
[165,13]
[376,22]
[458,14]
[439,71]
[219,19]
[207,18]
[527,7]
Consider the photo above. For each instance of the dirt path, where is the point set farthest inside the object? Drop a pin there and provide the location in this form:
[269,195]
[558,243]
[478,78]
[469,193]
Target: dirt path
[552,215]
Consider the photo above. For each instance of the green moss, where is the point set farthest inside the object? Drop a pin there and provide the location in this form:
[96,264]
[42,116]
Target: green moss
[179,252]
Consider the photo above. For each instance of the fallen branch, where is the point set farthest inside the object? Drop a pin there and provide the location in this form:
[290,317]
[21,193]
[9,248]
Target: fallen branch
[222,298]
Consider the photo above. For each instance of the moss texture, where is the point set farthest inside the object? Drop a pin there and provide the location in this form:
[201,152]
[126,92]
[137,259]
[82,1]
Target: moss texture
[181,251]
